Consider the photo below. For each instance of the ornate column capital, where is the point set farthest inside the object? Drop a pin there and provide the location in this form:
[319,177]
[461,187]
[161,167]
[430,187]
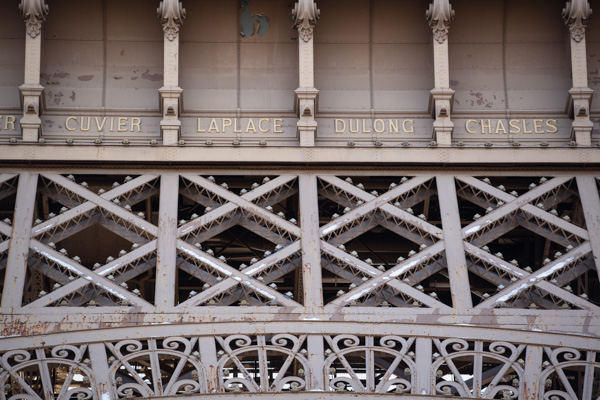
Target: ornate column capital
[171,14]
[439,15]
[34,13]
[306,15]
[576,14]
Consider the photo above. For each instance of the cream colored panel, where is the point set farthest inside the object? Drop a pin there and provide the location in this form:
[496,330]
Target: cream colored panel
[73,54]
[538,61]
[269,75]
[402,76]
[133,20]
[210,21]
[208,55]
[538,76]
[400,22]
[343,21]
[477,21]
[12,56]
[269,63]
[476,76]
[72,73]
[134,74]
[209,76]
[475,51]
[342,76]
[74,20]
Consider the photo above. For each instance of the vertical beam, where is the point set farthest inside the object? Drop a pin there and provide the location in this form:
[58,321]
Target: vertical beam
[533,370]
[208,355]
[455,253]
[171,14]
[101,371]
[310,241]
[439,15]
[34,13]
[590,201]
[166,263]
[316,360]
[422,380]
[576,14]
[306,15]
[16,269]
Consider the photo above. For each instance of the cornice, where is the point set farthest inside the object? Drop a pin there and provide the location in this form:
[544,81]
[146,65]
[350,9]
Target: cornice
[576,15]
[306,15]
[440,14]
[171,14]
[34,13]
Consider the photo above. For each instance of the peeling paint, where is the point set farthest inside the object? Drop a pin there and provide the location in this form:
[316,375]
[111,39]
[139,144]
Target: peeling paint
[85,78]
[152,77]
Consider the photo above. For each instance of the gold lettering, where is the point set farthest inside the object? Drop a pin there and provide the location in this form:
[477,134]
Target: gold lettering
[514,126]
[67,123]
[136,122]
[382,126]
[549,125]
[340,130]
[10,120]
[99,125]
[213,126]
[364,121]
[235,126]
[112,124]
[537,125]
[500,127]
[470,121]
[352,130]
[278,125]
[250,126]
[411,127]
[200,123]
[122,124]
[485,126]
[394,123]
[260,126]
[227,122]
[82,125]
[525,127]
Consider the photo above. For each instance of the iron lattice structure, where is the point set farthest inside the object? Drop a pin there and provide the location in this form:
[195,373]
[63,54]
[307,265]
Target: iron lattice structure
[244,283]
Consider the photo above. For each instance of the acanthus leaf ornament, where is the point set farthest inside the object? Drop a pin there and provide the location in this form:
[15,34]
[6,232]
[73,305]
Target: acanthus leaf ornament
[171,14]
[439,15]
[34,13]
[306,15]
[576,14]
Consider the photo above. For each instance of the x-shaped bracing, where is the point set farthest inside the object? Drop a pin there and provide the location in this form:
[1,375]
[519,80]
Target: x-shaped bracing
[412,228]
[488,228]
[245,211]
[131,227]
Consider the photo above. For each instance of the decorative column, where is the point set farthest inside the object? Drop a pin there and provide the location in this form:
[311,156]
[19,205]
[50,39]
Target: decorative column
[576,14]
[306,15]
[171,14]
[439,15]
[34,13]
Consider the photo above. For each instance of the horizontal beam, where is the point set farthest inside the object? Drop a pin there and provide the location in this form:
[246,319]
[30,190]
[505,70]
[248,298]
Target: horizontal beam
[290,155]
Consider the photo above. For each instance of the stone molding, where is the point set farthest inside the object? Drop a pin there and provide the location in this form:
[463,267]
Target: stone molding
[440,14]
[171,14]
[34,13]
[576,15]
[306,15]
